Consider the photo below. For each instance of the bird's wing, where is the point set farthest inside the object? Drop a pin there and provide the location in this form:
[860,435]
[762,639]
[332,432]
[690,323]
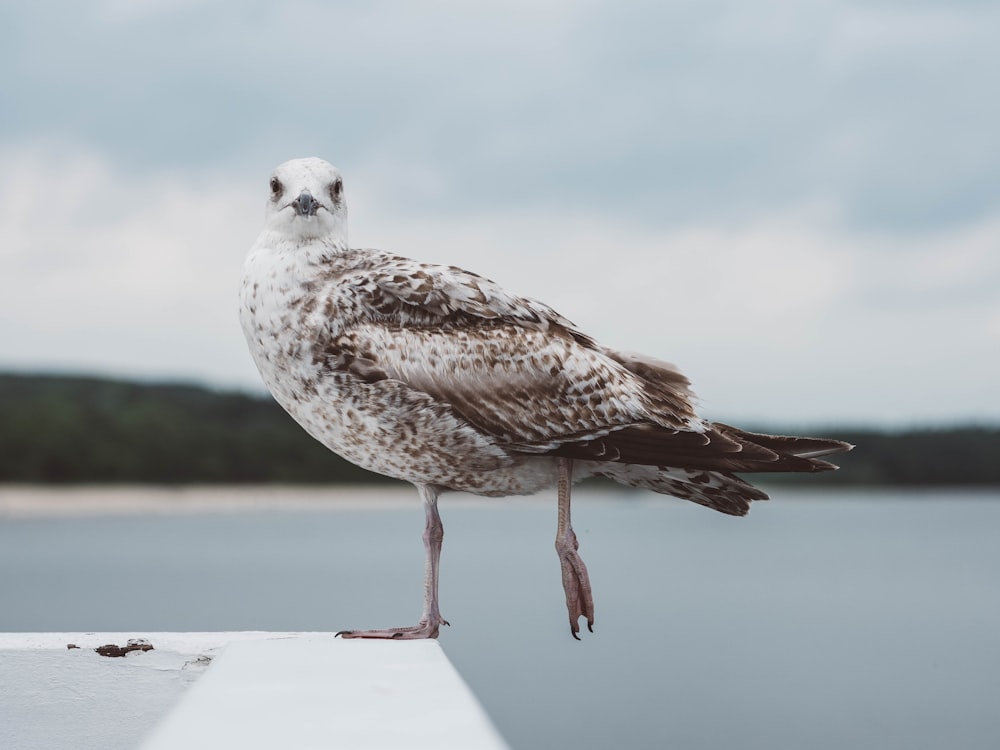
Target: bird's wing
[425,295]
[512,367]
[518,372]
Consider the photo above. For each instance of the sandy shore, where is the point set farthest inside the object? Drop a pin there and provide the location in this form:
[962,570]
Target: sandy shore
[25,501]
[34,501]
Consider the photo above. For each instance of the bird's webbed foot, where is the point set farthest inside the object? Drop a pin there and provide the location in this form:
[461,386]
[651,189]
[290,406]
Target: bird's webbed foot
[426,628]
[576,583]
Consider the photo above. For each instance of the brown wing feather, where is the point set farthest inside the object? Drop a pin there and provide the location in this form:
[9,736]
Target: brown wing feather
[719,448]
[521,386]
[519,372]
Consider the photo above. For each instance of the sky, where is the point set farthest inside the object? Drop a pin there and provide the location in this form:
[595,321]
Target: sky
[796,203]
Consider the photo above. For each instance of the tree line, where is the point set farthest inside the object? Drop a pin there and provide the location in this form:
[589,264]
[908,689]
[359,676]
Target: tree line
[63,429]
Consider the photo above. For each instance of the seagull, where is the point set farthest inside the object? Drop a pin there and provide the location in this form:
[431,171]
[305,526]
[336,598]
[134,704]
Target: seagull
[439,377]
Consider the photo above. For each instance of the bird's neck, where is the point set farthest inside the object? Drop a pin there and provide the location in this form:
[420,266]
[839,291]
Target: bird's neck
[299,250]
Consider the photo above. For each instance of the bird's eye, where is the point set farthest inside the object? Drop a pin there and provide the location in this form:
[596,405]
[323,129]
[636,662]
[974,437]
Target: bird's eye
[276,188]
[336,190]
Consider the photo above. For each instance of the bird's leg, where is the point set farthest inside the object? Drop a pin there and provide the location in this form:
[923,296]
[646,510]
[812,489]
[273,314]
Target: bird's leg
[431,618]
[433,537]
[576,582]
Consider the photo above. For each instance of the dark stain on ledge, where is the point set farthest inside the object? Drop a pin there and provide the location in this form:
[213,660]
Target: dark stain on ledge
[133,644]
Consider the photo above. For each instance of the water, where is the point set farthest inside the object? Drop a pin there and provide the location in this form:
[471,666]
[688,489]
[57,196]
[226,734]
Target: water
[822,620]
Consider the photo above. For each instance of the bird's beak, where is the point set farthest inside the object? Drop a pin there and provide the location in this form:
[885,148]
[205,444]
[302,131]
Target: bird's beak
[305,205]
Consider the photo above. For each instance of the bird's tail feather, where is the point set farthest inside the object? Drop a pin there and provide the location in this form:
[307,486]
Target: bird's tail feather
[718,490]
[719,447]
[793,453]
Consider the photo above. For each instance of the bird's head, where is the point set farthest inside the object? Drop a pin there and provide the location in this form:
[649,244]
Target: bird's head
[306,202]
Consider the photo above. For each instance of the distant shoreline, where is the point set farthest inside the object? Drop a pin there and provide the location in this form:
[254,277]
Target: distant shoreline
[22,501]
[96,500]
[38,501]
[62,431]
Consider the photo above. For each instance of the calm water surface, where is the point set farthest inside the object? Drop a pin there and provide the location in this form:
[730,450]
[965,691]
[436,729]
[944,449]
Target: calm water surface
[822,620]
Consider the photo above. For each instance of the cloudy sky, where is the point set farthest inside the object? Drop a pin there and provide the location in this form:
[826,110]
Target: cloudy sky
[798,203]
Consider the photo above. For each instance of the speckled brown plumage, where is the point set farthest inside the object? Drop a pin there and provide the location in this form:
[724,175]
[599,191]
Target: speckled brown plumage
[439,377]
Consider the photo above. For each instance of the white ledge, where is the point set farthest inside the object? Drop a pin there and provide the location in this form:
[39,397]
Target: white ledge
[259,690]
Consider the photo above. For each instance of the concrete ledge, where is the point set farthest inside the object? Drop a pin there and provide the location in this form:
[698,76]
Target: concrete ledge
[320,692]
[246,690]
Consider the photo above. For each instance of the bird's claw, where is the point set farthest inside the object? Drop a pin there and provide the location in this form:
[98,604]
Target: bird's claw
[576,584]
[426,628]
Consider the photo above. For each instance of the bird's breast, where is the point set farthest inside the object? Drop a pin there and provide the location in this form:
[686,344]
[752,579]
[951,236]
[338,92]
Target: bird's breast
[385,425]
